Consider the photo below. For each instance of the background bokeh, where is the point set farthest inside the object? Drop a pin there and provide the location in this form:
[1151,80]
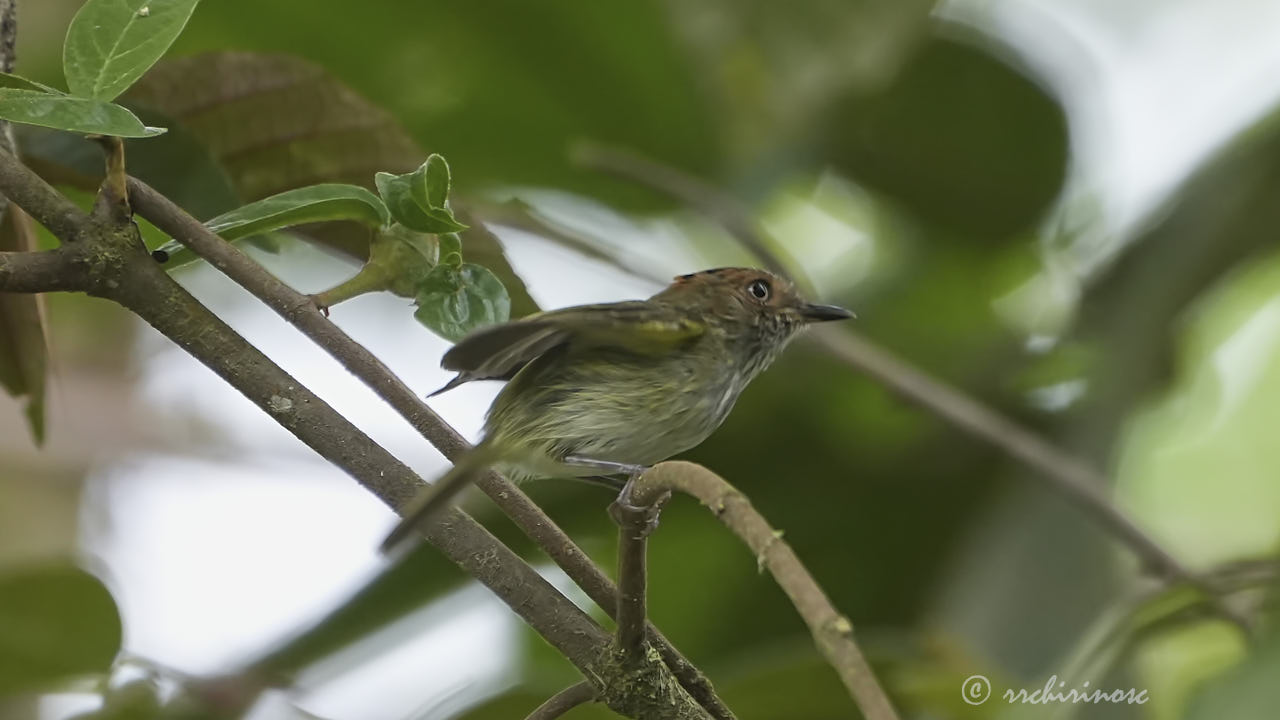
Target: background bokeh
[1064,208]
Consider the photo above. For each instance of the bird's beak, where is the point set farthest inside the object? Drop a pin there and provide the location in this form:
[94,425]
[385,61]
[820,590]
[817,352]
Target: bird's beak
[823,313]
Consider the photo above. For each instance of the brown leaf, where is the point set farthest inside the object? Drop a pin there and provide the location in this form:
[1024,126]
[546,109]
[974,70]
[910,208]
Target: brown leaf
[23,351]
[275,122]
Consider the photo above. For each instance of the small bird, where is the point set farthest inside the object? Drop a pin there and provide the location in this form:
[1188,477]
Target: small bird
[610,389]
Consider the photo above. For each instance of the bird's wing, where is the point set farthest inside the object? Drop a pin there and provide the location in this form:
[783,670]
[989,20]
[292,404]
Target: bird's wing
[636,326]
[497,352]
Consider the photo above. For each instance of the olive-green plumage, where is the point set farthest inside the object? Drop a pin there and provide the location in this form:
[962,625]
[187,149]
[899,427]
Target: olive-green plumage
[630,383]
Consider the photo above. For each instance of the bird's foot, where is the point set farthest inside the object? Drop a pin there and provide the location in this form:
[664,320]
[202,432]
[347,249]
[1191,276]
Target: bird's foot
[627,513]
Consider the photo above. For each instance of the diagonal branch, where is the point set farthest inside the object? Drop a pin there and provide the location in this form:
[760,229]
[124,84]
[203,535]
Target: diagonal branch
[832,632]
[298,310]
[122,271]
[134,280]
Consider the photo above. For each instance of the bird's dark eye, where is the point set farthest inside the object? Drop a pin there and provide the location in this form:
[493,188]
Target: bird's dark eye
[759,289]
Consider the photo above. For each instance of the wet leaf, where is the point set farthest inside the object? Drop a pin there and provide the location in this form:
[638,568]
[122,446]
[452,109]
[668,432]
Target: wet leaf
[111,43]
[454,300]
[63,112]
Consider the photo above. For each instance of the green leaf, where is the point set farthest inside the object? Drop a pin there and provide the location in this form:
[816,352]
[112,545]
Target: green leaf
[8,80]
[454,300]
[62,112]
[1248,690]
[409,197]
[317,203]
[435,174]
[56,622]
[450,244]
[111,43]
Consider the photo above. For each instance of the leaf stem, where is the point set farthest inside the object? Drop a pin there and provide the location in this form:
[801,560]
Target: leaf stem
[372,277]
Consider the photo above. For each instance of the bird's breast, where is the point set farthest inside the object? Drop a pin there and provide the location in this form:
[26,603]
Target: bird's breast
[626,410]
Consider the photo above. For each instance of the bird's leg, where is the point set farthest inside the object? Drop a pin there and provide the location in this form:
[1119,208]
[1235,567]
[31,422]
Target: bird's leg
[624,505]
[606,467]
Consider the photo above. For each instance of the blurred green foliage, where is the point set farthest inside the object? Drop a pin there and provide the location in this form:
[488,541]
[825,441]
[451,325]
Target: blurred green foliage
[58,623]
[949,558]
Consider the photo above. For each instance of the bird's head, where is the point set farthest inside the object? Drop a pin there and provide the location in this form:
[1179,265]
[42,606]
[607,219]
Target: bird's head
[753,307]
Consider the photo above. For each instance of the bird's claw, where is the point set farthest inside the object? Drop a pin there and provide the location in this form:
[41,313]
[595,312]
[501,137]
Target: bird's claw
[629,514]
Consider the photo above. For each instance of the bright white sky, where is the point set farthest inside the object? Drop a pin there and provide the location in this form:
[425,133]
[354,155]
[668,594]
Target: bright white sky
[214,560]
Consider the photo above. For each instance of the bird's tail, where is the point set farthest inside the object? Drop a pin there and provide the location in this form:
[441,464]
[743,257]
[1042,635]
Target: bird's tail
[435,497]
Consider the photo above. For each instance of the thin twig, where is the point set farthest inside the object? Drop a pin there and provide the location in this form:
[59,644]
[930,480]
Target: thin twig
[1072,477]
[832,632]
[298,310]
[635,522]
[564,701]
[112,203]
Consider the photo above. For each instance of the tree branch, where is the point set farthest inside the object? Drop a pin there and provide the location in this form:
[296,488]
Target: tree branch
[122,270]
[38,198]
[298,310]
[635,522]
[564,701]
[832,632]
[41,271]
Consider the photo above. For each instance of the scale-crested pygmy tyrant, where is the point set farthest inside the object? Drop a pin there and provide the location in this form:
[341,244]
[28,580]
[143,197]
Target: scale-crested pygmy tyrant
[611,388]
